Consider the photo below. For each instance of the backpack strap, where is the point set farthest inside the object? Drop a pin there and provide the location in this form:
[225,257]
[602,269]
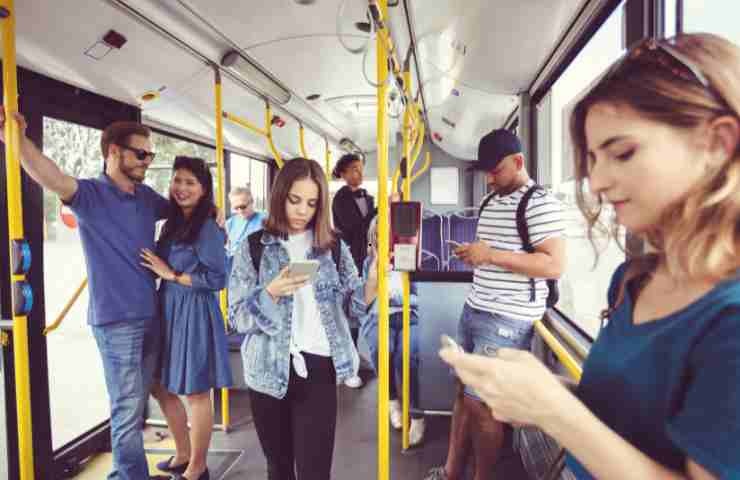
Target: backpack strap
[255,248]
[523,229]
[486,200]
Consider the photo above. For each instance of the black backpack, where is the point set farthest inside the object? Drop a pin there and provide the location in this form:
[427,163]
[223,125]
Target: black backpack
[553,294]
[256,247]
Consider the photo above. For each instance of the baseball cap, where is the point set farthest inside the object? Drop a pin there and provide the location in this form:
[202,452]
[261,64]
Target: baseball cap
[494,147]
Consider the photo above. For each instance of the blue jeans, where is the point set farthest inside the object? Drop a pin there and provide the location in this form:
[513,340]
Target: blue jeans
[130,353]
[483,333]
[395,350]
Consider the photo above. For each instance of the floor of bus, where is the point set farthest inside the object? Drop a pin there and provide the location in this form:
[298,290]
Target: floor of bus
[237,454]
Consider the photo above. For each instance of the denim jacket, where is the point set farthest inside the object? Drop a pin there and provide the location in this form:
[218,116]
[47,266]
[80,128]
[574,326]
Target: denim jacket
[267,324]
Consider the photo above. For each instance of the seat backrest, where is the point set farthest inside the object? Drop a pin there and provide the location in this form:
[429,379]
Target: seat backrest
[431,235]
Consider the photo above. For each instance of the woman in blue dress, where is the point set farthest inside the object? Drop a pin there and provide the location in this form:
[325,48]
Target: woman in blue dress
[190,259]
[658,138]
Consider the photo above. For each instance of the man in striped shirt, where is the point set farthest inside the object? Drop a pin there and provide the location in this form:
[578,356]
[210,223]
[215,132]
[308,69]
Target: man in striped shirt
[509,290]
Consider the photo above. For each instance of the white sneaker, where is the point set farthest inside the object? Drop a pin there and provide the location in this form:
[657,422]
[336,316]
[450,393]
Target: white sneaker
[354,382]
[416,432]
[396,414]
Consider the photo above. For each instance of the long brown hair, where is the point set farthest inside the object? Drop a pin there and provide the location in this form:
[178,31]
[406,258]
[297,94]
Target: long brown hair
[277,222]
[699,235]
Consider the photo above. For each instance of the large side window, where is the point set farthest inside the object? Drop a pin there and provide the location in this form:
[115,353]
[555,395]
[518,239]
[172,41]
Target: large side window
[167,148]
[583,286]
[717,16]
[71,349]
[254,173]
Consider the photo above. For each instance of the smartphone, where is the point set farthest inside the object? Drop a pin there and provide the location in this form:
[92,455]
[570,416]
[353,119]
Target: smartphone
[305,267]
[454,244]
[448,342]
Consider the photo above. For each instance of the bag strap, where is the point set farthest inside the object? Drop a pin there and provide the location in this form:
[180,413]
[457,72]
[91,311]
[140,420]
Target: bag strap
[523,229]
[486,200]
[256,248]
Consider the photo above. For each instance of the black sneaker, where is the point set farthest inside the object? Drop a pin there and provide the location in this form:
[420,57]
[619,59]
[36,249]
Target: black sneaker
[165,466]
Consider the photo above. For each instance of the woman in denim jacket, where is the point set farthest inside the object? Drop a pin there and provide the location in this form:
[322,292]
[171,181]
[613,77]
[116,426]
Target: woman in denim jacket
[298,345]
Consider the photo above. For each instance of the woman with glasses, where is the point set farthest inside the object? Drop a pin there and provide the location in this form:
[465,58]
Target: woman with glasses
[656,138]
[195,357]
[243,221]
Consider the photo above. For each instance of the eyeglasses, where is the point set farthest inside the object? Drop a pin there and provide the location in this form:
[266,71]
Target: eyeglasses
[242,207]
[661,53]
[139,153]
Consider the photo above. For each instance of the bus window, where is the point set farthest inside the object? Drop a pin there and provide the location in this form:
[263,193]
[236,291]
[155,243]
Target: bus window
[245,170]
[583,288]
[712,17]
[167,148]
[75,369]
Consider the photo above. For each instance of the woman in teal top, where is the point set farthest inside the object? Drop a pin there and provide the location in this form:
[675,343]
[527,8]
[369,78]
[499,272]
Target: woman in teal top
[660,392]
[190,259]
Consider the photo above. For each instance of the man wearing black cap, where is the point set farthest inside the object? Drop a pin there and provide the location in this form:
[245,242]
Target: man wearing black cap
[509,291]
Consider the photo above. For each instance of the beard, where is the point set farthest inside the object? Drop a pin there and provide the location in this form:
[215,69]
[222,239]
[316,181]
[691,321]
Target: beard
[132,173]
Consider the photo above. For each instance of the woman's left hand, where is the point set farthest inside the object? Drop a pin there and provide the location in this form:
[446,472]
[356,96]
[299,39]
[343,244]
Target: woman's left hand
[156,264]
[515,385]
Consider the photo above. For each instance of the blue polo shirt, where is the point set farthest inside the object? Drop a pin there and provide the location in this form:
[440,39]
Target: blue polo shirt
[670,387]
[114,227]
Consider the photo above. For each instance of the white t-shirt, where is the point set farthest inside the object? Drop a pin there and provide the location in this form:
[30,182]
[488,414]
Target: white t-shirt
[501,291]
[307,332]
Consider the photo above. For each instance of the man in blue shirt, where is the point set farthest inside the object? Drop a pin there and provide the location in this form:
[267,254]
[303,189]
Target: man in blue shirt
[116,213]
[244,221]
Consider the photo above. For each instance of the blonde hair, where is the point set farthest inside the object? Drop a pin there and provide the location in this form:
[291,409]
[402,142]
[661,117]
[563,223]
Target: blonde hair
[699,235]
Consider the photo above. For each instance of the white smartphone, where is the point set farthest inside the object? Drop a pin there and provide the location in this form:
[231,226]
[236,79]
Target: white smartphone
[304,267]
[448,342]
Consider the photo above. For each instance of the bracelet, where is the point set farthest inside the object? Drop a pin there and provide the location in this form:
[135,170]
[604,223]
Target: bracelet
[176,275]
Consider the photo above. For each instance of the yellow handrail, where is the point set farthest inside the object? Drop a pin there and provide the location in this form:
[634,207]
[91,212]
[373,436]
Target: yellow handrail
[302,141]
[266,132]
[570,363]
[16,234]
[268,127]
[383,257]
[245,123]
[406,329]
[327,159]
[58,321]
[221,204]
[424,168]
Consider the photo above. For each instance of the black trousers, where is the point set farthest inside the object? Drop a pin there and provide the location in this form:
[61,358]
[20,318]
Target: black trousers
[297,432]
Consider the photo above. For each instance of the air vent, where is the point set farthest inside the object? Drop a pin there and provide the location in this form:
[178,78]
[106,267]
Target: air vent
[448,122]
[313,96]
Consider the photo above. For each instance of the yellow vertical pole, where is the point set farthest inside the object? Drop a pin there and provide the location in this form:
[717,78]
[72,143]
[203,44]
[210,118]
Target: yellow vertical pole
[406,335]
[302,140]
[221,204]
[15,230]
[383,257]
[327,160]
[268,129]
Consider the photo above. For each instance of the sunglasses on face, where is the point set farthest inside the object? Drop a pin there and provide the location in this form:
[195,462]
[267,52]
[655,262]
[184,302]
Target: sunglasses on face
[139,153]
[242,207]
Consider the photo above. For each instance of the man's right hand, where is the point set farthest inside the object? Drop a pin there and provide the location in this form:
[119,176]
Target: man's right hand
[19,118]
[40,167]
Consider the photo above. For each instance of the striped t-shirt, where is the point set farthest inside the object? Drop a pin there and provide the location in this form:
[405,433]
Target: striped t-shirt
[501,291]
